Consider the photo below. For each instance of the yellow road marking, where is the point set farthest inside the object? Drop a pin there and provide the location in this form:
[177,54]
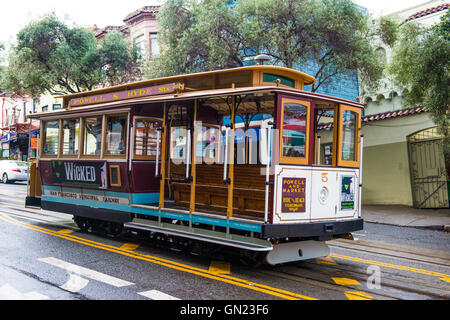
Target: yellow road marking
[129,246]
[326,260]
[12,199]
[171,264]
[219,267]
[345,281]
[446,279]
[357,295]
[393,266]
[65,231]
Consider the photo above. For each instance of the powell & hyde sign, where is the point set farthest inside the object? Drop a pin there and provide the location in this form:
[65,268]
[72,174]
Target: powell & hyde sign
[125,94]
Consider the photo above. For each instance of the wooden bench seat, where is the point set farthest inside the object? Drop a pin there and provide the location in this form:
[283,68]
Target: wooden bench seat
[211,194]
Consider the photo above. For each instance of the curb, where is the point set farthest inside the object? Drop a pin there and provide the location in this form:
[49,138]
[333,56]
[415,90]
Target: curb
[445,228]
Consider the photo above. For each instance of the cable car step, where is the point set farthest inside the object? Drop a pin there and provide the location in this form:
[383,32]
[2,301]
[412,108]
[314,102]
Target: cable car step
[222,238]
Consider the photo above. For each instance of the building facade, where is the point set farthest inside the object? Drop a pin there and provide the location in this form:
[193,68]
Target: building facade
[15,126]
[141,28]
[393,173]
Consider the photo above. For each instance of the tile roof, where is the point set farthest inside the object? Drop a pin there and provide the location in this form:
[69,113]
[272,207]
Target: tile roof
[428,11]
[145,10]
[393,114]
[382,116]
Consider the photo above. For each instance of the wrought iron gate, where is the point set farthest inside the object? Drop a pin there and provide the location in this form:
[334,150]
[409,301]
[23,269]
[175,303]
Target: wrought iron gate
[428,170]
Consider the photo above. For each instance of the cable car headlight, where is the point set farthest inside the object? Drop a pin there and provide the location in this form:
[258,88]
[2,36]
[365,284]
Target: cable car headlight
[323,195]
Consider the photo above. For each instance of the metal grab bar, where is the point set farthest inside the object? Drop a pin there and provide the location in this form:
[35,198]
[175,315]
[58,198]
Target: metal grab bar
[318,150]
[225,160]
[188,154]
[131,151]
[266,200]
[360,173]
[158,137]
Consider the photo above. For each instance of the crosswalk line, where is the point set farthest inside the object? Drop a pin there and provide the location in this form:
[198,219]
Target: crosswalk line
[91,274]
[157,295]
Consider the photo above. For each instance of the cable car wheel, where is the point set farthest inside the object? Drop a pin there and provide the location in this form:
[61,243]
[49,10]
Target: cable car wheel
[106,228]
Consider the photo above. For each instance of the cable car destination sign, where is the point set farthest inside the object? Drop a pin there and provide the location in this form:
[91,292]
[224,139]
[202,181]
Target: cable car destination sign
[125,94]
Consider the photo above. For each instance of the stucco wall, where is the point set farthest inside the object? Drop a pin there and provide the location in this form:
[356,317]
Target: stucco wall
[386,178]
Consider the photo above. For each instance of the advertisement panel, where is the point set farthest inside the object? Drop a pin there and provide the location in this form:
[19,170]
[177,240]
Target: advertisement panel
[92,174]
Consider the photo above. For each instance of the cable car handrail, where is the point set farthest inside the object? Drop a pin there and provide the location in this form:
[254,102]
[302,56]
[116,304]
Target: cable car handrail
[188,154]
[271,125]
[158,137]
[225,160]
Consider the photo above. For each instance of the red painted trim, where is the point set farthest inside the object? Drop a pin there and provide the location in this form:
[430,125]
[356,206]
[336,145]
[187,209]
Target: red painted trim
[312,141]
[311,122]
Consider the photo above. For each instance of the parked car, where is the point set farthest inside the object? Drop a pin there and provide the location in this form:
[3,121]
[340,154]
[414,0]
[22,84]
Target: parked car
[13,171]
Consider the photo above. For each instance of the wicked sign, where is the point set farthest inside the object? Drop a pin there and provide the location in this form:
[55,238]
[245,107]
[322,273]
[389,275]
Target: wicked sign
[91,174]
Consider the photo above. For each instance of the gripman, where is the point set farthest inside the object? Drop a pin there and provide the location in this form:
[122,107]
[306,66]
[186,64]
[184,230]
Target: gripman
[79,173]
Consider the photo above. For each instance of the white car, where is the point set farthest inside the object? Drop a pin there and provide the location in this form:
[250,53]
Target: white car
[13,171]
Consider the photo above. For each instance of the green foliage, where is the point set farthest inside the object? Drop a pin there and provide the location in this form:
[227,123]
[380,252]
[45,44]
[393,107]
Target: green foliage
[421,64]
[208,35]
[197,36]
[443,28]
[51,57]
[388,30]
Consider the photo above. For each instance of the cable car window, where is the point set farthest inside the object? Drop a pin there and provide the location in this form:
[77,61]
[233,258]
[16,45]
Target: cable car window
[294,130]
[145,143]
[51,142]
[178,143]
[116,135]
[70,136]
[92,135]
[326,121]
[207,147]
[267,77]
[348,136]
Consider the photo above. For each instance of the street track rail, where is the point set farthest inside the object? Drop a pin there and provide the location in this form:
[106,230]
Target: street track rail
[396,284]
[432,257]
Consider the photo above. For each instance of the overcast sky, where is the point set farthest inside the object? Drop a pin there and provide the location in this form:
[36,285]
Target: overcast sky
[17,13]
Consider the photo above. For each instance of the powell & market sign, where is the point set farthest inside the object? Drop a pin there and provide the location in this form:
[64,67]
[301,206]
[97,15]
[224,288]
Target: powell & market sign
[125,94]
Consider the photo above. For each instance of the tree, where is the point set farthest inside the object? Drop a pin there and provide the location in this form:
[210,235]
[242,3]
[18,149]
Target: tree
[51,57]
[420,63]
[334,35]
[198,36]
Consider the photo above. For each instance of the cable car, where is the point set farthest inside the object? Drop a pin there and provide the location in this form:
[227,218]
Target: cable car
[241,159]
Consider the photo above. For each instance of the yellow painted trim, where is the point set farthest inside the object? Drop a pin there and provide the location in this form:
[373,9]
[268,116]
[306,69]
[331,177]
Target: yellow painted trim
[231,160]
[119,182]
[193,162]
[295,74]
[163,158]
[340,162]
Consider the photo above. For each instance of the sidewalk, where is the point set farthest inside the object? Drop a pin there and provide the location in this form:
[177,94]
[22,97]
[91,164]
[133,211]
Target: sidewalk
[404,216]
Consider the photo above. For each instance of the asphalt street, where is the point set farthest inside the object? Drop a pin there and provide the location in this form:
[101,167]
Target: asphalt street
[44,256]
